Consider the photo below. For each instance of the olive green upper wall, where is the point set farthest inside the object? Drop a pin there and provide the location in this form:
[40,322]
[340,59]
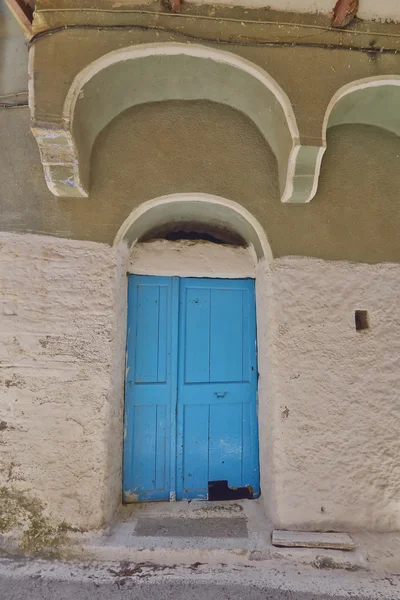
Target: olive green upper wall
[87,71]
[174,147]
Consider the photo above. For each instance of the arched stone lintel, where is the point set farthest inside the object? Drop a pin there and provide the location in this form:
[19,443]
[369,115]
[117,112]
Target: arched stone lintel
[171,71]
[204,208]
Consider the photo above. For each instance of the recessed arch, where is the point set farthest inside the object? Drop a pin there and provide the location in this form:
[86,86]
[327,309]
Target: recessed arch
[171,71]
[205,208]
[370,101]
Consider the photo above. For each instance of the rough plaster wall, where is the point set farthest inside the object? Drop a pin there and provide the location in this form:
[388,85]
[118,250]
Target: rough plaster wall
[328,395]
[60,401]
[335,395]
[26,204]
[265,400]
[13,54]
[186,258]
[198,147]
[114,440]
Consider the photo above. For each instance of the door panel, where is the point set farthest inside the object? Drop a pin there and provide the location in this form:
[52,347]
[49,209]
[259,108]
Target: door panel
[197,335]
[190,399]
[151,333]
[150,389]
[216,401]
[226,335]
[192,431]
[225,443]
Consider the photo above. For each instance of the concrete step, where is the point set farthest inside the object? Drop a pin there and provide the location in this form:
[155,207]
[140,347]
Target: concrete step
[204,533]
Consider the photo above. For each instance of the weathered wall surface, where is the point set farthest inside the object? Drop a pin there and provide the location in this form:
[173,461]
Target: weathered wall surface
[176,147]
[335,395]
[13,54]
[62,323]
[328,397]
[185,258]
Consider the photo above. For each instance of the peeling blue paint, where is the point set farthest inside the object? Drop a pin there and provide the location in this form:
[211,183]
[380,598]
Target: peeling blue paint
[69,181]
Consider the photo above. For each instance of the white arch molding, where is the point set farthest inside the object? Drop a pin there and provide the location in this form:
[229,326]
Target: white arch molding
[171,71]
[183,71]
[369,101]
[202,208]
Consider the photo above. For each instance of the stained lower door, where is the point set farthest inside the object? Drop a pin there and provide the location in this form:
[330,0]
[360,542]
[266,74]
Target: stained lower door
[191,390]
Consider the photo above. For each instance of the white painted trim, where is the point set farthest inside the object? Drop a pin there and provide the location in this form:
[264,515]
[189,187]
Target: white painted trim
[291,168]
[354,86]
[208,198]
[317,173]
[175,49]
[31,88]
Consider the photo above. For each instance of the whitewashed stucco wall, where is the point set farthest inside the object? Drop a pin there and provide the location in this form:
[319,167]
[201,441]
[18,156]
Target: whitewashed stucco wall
[329,395]
[60,395]
[336,395]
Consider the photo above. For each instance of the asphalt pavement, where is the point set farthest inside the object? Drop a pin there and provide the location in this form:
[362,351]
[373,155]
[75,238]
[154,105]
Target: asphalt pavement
[23,579]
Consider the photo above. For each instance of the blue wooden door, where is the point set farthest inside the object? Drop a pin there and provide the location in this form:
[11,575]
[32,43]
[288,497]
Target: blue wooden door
[191,390]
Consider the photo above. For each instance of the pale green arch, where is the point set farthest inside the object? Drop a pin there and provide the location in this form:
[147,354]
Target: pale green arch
[170,71]
[202,208]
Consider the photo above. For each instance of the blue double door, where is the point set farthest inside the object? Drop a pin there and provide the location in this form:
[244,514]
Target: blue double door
[191,390]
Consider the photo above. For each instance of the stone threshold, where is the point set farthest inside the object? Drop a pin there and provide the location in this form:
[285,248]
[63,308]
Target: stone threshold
[206,533]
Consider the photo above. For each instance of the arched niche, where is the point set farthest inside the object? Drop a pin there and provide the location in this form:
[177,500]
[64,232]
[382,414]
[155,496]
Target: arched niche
[371,101]
[171,71]
[200,208]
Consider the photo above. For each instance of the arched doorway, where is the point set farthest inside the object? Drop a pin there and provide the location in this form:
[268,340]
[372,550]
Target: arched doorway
[191,413]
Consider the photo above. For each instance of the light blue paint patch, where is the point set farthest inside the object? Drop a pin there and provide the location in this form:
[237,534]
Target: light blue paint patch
[50,135]
[69,181]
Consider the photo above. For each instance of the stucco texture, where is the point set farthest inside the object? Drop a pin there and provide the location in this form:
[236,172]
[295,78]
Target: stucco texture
[328,394]
[61,375]
[175,147]
[335,395]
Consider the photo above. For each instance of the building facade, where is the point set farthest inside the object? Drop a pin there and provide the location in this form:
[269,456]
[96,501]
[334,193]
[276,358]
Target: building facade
[214,143]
